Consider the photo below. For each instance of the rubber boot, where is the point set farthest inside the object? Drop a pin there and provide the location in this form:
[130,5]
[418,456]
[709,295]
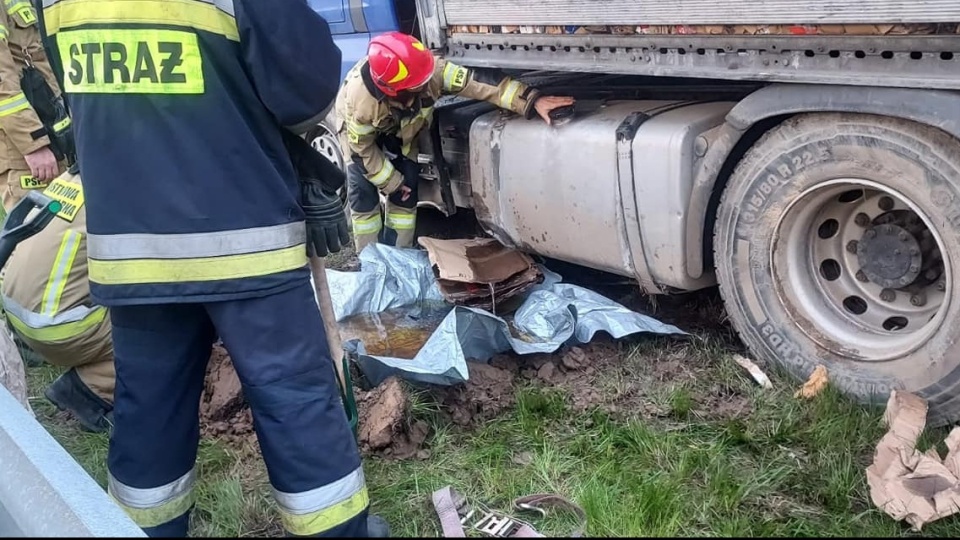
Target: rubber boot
[69,393]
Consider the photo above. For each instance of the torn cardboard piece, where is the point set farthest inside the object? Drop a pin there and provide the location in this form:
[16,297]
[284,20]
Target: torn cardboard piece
[758,375]
[906,484]
[480,272]
[815,384]
[13,375]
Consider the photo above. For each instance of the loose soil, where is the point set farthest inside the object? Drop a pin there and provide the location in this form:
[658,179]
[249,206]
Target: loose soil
[598,375]
[223,411]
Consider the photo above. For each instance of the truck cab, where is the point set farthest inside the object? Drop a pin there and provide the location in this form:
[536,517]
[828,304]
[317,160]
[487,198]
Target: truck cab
[353,23]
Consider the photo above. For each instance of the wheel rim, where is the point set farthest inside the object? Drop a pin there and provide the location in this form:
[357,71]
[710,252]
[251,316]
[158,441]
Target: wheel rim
[861,270]
[325,142]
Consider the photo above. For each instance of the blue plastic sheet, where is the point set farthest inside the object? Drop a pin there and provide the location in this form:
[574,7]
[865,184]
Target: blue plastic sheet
[552,314]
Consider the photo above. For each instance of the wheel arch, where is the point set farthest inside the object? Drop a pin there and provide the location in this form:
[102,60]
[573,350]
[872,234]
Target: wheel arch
[766,108]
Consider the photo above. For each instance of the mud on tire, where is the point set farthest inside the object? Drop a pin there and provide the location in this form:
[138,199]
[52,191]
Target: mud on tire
[838,243]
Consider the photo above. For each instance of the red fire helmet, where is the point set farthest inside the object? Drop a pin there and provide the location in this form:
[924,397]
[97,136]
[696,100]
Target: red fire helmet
[398,62]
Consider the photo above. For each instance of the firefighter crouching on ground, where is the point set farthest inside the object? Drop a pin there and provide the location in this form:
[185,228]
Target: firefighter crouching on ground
[27,160]
[384,103]
[197,228]
[47,301]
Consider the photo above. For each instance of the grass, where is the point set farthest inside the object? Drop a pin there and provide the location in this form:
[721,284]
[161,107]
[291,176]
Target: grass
[778,467]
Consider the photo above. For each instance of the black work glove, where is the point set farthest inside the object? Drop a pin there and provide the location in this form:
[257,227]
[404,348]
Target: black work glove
[326,221]
[410,170]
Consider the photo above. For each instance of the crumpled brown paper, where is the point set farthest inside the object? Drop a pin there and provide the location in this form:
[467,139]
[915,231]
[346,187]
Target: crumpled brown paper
[815,384]
[905,483]
[12,373]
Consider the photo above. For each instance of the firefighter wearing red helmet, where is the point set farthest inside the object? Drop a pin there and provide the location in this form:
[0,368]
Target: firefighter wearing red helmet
[384,103]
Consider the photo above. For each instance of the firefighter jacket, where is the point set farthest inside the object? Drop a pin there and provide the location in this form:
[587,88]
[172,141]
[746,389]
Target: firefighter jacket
[20,45]
[178,108]
[365,114]
[45,291]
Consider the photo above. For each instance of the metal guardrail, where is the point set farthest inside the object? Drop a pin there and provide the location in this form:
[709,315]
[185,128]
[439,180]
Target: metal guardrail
[44,492]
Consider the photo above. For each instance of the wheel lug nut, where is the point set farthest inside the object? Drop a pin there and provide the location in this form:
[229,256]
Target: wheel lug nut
[870,234]
[886,204]
[914,268]
[918,299]
[861,276]
[862,219]
[888,295]
[896,252]
[852,246]
[931,274]
[914,252]
[942,286]
[904,237]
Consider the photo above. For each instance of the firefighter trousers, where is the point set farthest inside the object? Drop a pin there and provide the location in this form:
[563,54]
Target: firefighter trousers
[89,353]
[395,228]
[279,348]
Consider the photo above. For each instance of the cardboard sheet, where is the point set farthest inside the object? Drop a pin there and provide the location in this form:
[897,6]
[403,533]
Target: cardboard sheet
[905,483]
[480,272]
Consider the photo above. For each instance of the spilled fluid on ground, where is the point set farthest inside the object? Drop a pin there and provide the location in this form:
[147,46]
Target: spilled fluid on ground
[398,333]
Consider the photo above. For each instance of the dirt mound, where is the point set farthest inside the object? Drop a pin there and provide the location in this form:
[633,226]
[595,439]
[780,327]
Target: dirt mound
[384,426]
[223,411]
[488,392]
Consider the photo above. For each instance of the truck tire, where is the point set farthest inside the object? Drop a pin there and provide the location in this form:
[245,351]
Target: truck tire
[323,138]
[838,243]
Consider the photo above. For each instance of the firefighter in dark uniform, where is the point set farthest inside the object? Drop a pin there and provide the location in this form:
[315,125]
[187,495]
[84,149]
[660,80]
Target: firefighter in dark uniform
[198,228]
[386,100]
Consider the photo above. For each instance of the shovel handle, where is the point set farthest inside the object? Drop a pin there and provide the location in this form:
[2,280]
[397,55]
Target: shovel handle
[319,270]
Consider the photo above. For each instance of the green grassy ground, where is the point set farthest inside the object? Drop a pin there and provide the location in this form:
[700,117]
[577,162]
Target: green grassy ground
[663,454]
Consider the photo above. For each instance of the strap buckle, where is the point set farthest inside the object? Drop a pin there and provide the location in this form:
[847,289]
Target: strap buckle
[493,524]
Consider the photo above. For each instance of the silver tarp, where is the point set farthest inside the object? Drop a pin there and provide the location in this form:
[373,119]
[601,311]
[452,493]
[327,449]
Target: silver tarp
[553,314]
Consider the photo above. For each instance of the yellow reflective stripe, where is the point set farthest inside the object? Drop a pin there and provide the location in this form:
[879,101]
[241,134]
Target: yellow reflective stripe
[143,61]
[61,125]
[401,222]
[454,77]
[136,271]
[153,517]
[423,113]
[59,332]
[509,93]
[3,32]
[150,507]
[368,225]
[359,129]
[183,13]
[14,104]
[69,246]
[13,7]
[323,520]
[383,175]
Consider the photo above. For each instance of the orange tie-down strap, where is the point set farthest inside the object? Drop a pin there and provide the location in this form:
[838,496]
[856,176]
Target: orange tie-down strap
[455,514]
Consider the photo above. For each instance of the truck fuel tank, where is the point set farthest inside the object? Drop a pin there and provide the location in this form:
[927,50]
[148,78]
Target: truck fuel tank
[608,189]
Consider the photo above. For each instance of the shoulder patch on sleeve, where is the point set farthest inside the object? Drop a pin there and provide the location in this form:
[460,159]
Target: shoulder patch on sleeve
[454,77]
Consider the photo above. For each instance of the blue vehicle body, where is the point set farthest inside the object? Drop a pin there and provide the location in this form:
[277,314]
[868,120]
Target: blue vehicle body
[354,22]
